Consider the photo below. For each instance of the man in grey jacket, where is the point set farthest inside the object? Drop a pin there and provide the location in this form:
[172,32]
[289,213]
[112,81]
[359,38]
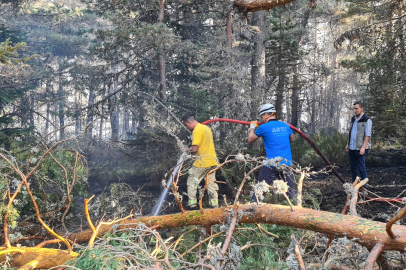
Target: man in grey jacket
[359,141]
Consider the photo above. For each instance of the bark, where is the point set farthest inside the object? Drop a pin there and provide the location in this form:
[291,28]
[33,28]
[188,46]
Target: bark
[229,29]
[365,232]
[313,116]
[373,256]
[296,81]
[258,62]
[281,78]
[126,124]
[48,89]
[114,115]
[78,126]
[257,5]
[61,111]
[32,108]
[161,57]
[45,257]
[101,128]
[295,96]
[162,74]
[89,119]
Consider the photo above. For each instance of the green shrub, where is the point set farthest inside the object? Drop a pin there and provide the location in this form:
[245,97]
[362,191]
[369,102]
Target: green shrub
[331,145]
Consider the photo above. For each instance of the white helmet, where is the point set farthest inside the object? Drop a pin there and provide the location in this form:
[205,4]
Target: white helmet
[267,108]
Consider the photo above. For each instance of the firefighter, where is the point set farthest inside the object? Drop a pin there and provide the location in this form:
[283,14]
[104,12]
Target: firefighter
[277,136]
[203,148]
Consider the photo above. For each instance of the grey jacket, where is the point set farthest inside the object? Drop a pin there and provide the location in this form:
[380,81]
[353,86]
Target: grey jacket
[360,132]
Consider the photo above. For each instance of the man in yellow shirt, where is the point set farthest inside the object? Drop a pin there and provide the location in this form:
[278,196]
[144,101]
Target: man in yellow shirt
[203,148]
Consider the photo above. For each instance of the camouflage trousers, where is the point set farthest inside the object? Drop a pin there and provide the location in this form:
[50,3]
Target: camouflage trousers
[196,175]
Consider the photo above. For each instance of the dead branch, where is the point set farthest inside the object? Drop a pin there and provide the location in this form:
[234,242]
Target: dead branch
[354,197]
[49,230]
[393,220]
[89,220]
[43,244]
[200,243]
[207,178]
[299,189]
[94,235]
[373,256]
[298,254]
[69,191]
[266,232]
[175,189]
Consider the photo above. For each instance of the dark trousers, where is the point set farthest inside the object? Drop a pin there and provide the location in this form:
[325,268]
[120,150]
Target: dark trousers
[357,162]
[269,174]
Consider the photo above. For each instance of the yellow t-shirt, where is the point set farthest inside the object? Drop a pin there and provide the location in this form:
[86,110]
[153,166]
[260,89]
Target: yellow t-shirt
[203,138]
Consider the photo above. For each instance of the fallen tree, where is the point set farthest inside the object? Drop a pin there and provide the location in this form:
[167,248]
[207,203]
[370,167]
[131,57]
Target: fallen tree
[363,231]
[375,236]
[366,232]
[257,5]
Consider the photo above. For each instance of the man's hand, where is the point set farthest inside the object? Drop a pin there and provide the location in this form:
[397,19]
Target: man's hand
[347,148]
[362,151]
[254,125]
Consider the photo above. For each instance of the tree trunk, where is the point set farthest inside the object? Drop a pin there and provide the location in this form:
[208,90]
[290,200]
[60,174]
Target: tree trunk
[101,122]
[257,5]
[61,109]
[114,117]
[314,112]
[295,95]
[126,124]
[32,108]
[279,92]
[161,57]
[89,120]
[78,125]
[258,62]
[48,92]
[296,81]
[363,231]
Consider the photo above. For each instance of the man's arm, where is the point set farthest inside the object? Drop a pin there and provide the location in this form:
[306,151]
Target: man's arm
[252,137]
[292,137]
[192,149]
[368,130]
[364,145]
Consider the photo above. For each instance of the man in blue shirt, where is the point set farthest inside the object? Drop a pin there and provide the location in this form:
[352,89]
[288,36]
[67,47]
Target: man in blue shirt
[359,141]
[277,136]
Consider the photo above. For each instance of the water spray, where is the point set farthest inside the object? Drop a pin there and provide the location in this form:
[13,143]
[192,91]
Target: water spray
[158,205]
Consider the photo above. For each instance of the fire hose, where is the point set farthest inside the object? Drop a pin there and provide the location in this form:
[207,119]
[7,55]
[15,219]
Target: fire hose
[293,128]
[311,144]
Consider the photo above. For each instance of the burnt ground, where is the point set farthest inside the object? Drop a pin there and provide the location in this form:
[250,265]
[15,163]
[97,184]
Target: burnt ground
[387,179]
[386,171]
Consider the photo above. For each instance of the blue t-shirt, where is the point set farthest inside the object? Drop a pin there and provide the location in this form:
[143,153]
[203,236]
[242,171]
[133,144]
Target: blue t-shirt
[276,140]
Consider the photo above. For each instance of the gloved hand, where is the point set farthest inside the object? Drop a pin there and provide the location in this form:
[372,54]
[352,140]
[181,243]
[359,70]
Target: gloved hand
[254,125]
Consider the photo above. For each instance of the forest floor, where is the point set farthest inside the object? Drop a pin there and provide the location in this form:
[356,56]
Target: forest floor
[387,179]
